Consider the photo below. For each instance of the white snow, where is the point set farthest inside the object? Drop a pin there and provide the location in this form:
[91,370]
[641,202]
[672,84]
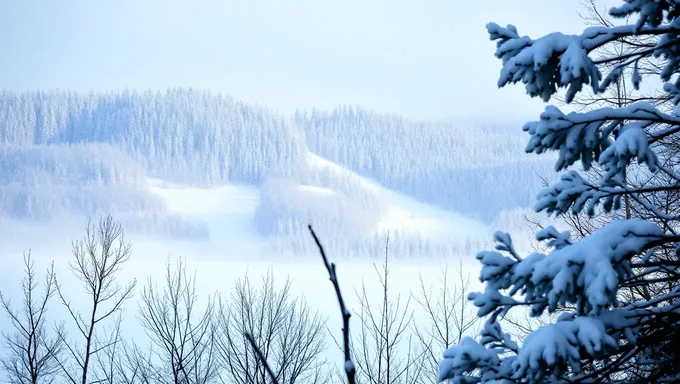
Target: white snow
[226,199]
[408,214]
[317,190]
[235,245]
[432,222]
[229,211]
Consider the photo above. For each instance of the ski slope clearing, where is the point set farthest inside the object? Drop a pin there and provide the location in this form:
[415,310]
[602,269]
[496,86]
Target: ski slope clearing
[226,199]
[229,211]
[410,215]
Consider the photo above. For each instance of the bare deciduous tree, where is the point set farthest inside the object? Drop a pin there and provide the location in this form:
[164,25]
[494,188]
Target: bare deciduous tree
[387,352]
[449,316]
[260,334]
[288,335]
[132,366]
[31,351]
[98,258]
[183,334]
[108,362]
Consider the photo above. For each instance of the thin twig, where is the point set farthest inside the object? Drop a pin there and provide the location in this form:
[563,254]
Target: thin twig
[261,357]
[349,367]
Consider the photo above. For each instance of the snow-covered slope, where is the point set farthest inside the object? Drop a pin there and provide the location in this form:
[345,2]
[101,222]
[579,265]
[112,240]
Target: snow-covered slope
[408,214]
[229,211]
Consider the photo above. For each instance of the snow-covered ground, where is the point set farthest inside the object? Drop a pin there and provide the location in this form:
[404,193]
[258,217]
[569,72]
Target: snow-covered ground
[229,212]
[409,214]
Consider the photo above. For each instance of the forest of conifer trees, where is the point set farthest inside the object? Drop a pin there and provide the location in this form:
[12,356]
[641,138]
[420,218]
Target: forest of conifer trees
[64,153]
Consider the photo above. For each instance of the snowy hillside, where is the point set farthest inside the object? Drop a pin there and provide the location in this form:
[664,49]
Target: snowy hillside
[191,166]
[231,214]
[406,214]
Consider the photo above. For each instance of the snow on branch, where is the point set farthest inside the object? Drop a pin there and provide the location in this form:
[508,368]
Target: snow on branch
[465,358]
[617,288]
[543,65]
[650,13]
[561,345]
[585,273]
[562,61]
[573,193]
[585,136]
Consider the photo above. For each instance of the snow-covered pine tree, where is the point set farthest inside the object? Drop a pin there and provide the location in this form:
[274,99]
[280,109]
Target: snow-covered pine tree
[605,334]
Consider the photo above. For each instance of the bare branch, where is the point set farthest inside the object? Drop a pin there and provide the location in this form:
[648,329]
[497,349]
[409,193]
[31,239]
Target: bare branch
[350,369]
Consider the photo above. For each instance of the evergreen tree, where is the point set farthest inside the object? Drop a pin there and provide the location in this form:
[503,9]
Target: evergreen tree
[604,333]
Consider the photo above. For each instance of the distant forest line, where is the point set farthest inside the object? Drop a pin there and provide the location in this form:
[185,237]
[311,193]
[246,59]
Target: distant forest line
[67,153]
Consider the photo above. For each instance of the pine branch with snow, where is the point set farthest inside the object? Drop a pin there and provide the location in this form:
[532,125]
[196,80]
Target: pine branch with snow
[617,289]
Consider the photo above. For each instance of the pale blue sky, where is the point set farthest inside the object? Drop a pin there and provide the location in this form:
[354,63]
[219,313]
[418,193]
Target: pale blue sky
[422,58]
